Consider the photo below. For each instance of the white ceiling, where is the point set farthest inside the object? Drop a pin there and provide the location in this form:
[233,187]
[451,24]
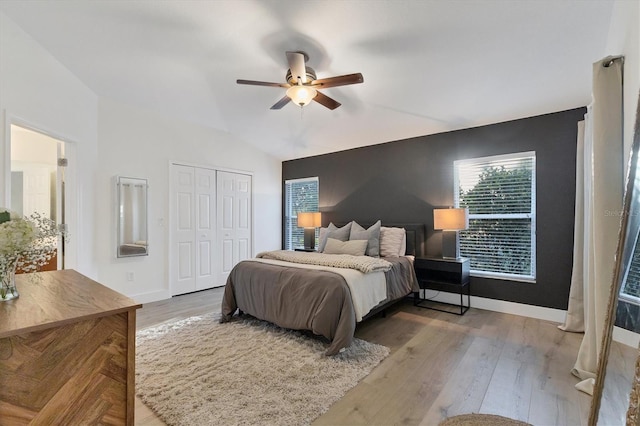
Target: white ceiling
[429,65]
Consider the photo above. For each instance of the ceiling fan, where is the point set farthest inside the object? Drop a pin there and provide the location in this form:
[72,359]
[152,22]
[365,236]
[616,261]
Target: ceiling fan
[302,85]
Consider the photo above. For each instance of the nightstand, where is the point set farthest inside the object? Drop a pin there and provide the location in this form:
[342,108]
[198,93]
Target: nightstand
[450,275]
[305,249]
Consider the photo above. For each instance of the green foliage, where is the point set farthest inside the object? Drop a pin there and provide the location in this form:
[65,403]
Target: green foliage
[304,197]
[499,244]
[499,190]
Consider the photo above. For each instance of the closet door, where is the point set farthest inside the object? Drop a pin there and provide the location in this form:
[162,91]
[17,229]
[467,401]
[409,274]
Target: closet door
[234,221]
[193,229]
[205,196]
[182,253]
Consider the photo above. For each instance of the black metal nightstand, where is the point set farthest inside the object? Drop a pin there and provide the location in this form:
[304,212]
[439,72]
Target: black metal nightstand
[436,273]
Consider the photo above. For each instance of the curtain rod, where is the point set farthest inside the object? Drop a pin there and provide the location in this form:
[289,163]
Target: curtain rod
[606,62]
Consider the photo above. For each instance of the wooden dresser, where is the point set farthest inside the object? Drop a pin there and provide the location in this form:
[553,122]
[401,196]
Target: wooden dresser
[67,352]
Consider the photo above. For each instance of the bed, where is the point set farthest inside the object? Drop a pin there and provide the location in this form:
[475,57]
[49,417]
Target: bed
[291,290]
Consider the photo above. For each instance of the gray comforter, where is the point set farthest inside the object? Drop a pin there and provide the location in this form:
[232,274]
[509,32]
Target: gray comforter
[305,299]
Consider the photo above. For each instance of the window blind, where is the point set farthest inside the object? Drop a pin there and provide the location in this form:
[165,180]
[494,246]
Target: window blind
[630,290]
[301,195]
[499,192]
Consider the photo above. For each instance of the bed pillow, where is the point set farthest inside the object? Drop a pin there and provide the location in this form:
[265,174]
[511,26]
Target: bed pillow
[341,234]
[372,235]
[352,247]
[322,236]
[392,242]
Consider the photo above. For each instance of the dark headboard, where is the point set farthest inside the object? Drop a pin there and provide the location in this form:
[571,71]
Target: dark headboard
[416,235]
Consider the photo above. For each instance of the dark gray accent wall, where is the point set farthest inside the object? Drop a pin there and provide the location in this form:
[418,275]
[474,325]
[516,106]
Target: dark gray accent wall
[403,181]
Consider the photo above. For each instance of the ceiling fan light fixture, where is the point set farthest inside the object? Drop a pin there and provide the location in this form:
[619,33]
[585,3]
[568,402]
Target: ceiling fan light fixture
[301,95]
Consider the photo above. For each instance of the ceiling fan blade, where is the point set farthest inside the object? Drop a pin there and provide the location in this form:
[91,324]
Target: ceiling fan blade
[263,83]
[341,80]
[326,101]
[282,102]
[296,65]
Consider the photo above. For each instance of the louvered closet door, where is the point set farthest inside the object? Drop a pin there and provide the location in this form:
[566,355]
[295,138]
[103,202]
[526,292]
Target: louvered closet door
[193,229]
[234,219]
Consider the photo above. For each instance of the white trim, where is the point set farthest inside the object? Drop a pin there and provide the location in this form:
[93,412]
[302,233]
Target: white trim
[152,296]
[497,157]
[503,276]
[620,335]
[627,297]
[513,308]
[310,178]
[72,186]
[475,163]
[211,167]
[626,337]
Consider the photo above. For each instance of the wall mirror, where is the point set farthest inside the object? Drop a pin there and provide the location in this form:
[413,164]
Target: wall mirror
[132,220]
[617,384]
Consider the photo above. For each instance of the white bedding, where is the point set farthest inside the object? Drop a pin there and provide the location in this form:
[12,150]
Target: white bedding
[367,290]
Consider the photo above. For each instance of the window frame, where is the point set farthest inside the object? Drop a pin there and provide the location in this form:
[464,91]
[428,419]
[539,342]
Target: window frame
[289,216]
[532,216]
[622,295]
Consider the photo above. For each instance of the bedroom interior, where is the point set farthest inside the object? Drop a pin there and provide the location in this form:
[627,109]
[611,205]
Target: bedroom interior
[157,89]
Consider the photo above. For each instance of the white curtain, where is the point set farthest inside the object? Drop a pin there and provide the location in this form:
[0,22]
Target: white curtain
[599,189]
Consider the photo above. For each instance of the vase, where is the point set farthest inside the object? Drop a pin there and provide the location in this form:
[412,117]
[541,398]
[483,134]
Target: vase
[8,290]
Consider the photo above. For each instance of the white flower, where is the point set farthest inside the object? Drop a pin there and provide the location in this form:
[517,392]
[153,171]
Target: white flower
[26,243]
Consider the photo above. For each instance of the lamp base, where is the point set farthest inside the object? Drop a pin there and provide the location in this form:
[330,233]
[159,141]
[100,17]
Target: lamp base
[310,238]
[450,245]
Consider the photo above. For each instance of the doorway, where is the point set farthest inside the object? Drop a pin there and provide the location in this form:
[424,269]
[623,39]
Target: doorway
[38,180]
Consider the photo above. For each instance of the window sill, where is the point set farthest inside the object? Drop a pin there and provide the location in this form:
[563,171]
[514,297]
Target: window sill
[503,277]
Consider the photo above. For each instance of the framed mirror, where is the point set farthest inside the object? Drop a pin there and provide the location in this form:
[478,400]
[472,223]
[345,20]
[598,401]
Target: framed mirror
[608,391]
[132,219]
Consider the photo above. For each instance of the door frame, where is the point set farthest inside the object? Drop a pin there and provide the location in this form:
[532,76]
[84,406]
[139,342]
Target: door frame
[168,233]
[71,189]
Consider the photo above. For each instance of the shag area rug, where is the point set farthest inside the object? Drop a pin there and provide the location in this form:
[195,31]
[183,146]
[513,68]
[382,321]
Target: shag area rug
[197,371]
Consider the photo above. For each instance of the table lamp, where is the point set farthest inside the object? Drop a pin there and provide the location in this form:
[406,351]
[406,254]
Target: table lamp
[450,221]
[309,221]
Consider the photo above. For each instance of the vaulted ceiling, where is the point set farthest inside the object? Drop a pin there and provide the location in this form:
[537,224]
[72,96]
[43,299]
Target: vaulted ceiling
[429,65]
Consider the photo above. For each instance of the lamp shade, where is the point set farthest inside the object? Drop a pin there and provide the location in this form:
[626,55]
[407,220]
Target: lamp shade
[450,219]
[301,95]
[310,219]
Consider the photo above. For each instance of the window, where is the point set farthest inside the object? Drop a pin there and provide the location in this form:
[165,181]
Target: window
[630,290]
[500,194]
[301,195]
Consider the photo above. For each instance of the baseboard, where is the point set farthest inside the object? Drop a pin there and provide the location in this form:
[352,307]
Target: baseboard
[620,335]
[626,337]
[152,296]
[538,312]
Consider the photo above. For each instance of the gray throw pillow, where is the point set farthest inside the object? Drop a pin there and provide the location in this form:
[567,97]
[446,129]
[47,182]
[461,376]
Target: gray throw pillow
[341,234]
[372,235]
[351,247]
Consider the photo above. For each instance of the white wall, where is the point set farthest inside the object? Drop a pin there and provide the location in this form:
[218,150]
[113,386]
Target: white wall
[624,39]
[139,143]
[115,139]
[37,91]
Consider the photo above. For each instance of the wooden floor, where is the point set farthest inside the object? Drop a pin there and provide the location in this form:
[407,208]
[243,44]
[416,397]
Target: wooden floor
[443,364]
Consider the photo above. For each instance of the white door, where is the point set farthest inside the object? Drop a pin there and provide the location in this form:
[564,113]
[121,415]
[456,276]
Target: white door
[192,229]
[182,253]
[234,221]
[205,197]
[36,190]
